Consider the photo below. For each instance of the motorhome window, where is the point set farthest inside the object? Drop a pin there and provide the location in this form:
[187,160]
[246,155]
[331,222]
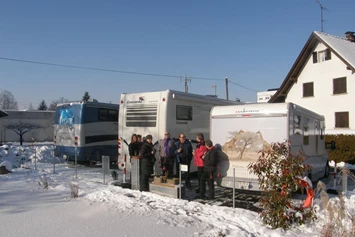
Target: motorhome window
[297,125]
[306,126]
[321,134]
[308,89]
[341,119]
[183,112]
[108,115]
[305,136]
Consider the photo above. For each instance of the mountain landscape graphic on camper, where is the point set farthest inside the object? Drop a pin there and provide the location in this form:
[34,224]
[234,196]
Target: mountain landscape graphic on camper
[66,118]
[245,145]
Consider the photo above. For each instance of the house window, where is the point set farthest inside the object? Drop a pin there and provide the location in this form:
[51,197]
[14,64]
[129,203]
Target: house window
[308,89]
[321,56]
[341,119]
[339,85]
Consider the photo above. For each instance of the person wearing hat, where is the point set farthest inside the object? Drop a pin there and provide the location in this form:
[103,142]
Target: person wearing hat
[147,152]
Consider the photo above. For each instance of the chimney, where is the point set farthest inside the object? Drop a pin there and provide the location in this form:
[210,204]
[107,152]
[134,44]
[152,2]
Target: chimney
[350,36]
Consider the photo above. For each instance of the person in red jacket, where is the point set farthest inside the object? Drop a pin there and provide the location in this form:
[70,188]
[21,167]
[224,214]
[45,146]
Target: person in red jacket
[198,161]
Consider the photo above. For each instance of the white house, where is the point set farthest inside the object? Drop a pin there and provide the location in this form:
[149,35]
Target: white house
[322,79]
[264,96]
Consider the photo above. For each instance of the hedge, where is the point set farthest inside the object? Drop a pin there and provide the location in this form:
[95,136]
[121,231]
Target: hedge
[345,148]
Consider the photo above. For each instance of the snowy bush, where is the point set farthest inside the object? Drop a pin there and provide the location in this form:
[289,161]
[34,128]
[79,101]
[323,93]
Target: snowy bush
[278,173]
[74,190]
[43,183]
[339,219]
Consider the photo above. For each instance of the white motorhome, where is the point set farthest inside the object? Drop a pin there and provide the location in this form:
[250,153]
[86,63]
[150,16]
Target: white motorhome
[164,111]
[243,130]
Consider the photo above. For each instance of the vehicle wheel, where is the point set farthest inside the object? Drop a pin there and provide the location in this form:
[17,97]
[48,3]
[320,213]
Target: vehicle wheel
[327,170]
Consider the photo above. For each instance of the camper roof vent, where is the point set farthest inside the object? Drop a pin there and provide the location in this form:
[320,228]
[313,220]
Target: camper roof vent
[93,100]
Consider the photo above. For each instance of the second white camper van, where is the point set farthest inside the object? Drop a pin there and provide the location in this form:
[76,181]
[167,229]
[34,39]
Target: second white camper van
[243,130]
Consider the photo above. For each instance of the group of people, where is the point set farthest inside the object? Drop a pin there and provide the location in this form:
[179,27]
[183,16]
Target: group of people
[172,153]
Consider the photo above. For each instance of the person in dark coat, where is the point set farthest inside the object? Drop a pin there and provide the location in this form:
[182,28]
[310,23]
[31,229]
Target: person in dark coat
[139,140]
[147,152]
[183,152]
[133,147]
[210,168]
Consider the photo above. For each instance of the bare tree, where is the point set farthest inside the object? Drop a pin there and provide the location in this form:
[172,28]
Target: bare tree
[21,128]
[54,103]
[7,100]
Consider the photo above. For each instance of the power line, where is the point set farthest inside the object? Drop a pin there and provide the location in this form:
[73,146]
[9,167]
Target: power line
[100,69]
[119,71]
[87,68]
[237,84]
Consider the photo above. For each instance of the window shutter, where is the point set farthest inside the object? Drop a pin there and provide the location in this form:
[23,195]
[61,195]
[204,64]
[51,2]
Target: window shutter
[314,57]
[341,119]
[335,86]
[339,85]
[343,85]
[346,119]
[328,55]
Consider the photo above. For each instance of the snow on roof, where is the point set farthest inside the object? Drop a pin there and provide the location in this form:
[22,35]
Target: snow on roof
[345,48]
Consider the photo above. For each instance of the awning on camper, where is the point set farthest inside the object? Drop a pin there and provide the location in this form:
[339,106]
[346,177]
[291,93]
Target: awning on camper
[3,114]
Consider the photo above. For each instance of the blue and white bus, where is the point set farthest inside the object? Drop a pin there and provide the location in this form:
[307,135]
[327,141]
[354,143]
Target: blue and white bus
[90,127]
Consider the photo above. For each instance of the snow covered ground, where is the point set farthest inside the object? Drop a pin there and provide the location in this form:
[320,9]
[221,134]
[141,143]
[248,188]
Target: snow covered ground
[27,209]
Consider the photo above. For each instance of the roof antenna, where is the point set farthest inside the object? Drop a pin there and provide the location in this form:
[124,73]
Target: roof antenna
[322,7]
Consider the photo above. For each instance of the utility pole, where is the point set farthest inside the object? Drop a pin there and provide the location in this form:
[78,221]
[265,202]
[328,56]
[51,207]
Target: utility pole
[215,89]
[185,80]
[227,96]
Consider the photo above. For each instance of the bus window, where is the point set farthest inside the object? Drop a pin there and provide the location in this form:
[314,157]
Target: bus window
[183,112]
[108,115]
[113,115]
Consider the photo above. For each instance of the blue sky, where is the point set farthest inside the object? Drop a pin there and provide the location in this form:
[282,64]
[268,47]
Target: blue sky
[253,43]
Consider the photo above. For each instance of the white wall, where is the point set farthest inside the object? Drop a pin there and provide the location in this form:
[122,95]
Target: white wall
[324,102]
[44,119]
[264,96]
